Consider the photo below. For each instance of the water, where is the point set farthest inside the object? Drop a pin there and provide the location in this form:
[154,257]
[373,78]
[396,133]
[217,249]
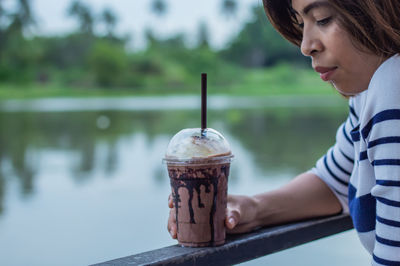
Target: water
[82,182]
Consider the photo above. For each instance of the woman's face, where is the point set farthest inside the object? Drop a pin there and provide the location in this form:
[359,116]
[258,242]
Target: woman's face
[331,49]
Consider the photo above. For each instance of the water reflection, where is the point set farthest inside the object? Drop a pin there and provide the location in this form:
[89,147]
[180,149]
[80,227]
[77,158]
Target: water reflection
[289,139]
[92,141]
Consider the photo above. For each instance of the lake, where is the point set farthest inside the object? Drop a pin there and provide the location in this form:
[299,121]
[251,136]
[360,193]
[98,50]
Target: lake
[81,180]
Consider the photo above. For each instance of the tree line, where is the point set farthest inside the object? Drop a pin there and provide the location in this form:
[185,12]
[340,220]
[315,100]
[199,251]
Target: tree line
[86,58]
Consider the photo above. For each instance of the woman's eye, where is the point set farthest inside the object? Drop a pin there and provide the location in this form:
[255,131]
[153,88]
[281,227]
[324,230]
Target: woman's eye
[324,21]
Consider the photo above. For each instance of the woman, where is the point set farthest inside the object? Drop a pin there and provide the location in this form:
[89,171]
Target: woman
[354,45]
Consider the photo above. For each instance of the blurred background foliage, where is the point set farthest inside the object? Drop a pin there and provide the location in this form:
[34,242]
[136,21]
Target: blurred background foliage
[85,60]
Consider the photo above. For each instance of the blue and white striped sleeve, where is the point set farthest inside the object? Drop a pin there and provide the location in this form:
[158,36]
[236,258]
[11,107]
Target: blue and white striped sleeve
[382,135]
[335,167]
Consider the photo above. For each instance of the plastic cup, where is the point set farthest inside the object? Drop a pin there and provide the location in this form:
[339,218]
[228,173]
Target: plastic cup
[198,166]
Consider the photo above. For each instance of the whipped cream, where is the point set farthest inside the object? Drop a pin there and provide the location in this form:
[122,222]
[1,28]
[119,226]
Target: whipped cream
[191,144]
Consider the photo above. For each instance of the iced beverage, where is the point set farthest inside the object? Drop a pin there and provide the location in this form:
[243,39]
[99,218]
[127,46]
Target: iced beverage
[198,166]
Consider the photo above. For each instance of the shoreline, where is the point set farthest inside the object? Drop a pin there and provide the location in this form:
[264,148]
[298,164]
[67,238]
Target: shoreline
[171,102]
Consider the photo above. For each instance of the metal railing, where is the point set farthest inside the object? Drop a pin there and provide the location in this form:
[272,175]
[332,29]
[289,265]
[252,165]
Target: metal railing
[243,247]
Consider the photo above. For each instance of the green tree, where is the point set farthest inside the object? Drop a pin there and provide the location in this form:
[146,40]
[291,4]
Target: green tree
[3,16]
[107,61]
[84,15]
[159,7]
[259,45]
[203,36]
[17,57]
[229,7]
[22,18]
[2,11]
[110,20]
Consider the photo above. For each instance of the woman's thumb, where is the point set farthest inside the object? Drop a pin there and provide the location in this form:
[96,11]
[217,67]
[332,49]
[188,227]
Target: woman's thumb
[232,219]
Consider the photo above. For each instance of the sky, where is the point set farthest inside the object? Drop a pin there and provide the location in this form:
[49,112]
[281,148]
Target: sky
[135,16]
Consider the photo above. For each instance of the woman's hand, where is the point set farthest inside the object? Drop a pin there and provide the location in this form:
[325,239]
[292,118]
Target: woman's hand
[240,215]
[172,218]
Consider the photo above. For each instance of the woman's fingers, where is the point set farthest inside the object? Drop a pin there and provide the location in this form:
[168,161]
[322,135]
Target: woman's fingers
[172,224]
[232,218]
[171,219]
[240,214]
[170,202]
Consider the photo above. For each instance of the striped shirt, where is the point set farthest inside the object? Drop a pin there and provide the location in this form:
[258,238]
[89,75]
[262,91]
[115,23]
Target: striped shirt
[363,167]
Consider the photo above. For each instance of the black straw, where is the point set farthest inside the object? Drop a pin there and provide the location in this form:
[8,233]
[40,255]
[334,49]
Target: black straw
[203,101]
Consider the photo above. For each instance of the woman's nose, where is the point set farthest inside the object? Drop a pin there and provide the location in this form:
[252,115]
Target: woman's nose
[311,43]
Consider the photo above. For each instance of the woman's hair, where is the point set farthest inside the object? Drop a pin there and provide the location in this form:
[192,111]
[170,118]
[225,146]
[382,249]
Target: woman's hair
[373,24]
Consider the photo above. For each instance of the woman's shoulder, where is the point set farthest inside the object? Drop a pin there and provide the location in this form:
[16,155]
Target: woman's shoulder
[387,74]
[384,88]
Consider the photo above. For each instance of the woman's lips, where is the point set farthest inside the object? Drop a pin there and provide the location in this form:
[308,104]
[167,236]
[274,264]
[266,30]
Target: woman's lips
[325,72]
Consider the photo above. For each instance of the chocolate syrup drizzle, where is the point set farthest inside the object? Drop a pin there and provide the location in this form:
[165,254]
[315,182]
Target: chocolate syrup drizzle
[186,180]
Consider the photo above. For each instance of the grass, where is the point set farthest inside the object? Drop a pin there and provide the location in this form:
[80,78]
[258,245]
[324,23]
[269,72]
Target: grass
[280,80]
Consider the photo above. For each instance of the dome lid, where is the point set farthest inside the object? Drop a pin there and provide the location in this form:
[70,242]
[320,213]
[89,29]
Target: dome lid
[192,143]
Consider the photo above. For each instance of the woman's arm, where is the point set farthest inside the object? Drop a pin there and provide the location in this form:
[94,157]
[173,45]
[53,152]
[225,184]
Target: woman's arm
[304,197]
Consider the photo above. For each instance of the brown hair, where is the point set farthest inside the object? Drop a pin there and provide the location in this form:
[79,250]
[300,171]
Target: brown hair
[373,24]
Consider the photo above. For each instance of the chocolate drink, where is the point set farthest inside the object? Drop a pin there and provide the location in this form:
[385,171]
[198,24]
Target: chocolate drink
[199,194]
[199,186]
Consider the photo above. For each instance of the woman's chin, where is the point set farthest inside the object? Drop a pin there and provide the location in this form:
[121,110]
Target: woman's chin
[343,91]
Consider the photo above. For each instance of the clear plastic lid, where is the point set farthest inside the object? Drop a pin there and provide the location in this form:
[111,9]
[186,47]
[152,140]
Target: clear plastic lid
[193,144]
